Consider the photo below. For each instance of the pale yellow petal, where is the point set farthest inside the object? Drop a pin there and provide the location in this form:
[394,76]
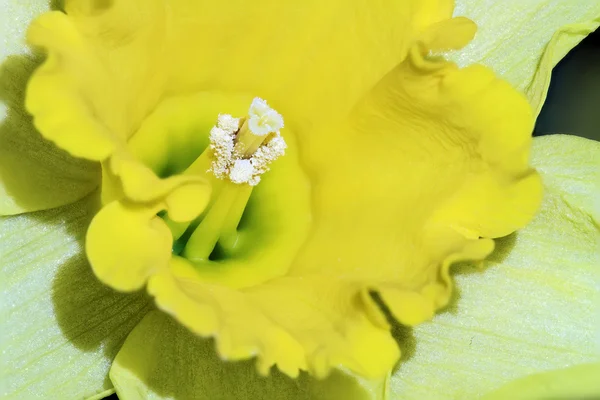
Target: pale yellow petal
[59,327]
[531,309]
[523,40]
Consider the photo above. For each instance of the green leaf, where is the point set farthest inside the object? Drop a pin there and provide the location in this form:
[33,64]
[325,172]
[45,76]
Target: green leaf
[523,40]
[531,309]
[162,360]
[34,174]
[60,328]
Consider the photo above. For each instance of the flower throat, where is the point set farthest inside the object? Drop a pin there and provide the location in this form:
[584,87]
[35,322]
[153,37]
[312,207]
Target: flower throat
[240,151]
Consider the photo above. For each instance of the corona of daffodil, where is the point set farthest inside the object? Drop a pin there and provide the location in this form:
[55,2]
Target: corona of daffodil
[293,180]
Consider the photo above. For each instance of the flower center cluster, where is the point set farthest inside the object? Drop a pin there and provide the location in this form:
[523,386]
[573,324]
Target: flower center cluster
[240,151]
[243,149]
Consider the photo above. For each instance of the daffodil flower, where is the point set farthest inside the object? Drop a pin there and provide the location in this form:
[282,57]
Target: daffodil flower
[292,180]
[283,269]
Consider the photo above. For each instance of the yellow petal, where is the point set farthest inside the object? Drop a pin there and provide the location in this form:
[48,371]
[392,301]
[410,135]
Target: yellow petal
[145,368]
[523,41]
[308,322]
[127,242]
[96,88]
[60,328]
[185,196]
[91,94]
[532,309]
[459,139]
[432,164]
[296,56]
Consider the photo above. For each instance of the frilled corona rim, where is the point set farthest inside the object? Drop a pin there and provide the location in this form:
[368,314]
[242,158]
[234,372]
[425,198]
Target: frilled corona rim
[399,163]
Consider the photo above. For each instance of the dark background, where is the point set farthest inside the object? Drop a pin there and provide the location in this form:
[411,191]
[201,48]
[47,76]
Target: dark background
[573,103]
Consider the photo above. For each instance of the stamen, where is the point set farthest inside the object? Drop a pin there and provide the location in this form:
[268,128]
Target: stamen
[240,151]
[243,153]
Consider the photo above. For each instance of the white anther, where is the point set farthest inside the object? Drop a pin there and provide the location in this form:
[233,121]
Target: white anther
[268,153]
[241,171]
[262,119]
[221,142]
[228,123]
[236,165]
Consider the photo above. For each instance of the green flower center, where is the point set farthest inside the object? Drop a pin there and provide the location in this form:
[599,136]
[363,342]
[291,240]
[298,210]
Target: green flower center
[249,232]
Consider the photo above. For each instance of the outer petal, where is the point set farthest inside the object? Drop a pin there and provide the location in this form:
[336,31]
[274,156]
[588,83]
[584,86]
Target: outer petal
[161,360]
[34,174]
[533,309]
[579,382]
[524,40]
[60,328]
